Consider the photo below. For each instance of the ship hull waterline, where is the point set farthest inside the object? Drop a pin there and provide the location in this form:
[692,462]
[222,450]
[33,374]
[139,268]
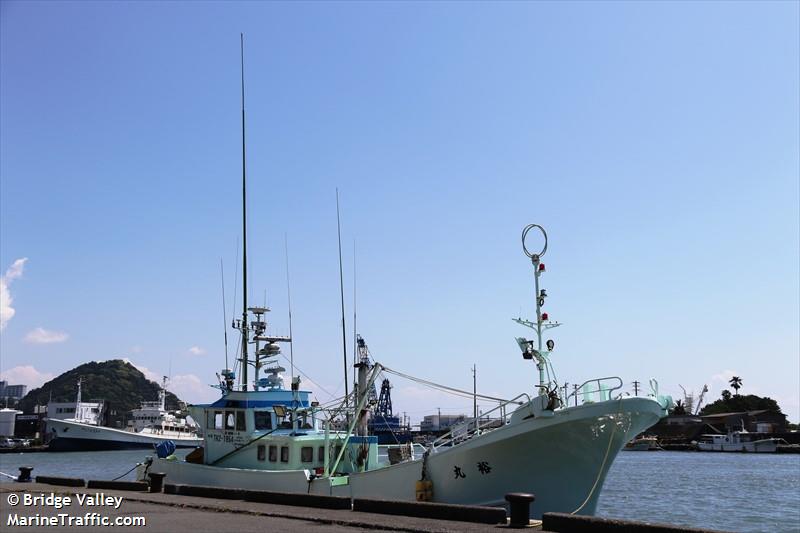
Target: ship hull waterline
[562,459]
[76,437]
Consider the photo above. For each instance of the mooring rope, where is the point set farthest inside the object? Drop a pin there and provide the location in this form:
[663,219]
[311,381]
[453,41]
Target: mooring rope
[126,473]
[603,464]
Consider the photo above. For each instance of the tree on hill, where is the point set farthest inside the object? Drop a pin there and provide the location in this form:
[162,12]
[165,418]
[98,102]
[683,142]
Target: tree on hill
[735,404]
[736,384]
[119,384]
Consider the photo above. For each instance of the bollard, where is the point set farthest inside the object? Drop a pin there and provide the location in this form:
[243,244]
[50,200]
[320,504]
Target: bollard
[24,473]
[156,481]
[520,507]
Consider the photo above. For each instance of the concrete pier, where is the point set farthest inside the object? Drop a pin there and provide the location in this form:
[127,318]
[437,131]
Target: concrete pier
[195,514]
[188,509]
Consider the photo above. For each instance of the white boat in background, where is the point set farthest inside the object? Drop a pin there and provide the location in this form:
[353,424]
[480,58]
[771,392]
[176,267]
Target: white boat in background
[738,441]
[152,424]
[642,444]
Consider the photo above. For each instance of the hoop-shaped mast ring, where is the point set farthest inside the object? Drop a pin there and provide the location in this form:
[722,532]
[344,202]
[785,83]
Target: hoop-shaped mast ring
[525,234]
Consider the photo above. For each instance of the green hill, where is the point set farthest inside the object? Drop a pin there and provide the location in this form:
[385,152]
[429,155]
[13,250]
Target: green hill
[121,385]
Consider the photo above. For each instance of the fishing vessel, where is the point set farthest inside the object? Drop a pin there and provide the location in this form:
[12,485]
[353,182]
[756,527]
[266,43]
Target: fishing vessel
[738,441]
[151,425]
[261,436]
[271,438]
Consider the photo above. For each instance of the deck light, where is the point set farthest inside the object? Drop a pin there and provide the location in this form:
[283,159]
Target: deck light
[544,316]
[541,267]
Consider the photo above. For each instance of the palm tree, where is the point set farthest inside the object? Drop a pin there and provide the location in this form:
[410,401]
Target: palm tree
[679,409]
[736,383]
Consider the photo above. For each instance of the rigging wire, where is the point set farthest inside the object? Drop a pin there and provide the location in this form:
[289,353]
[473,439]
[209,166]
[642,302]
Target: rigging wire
[443,388]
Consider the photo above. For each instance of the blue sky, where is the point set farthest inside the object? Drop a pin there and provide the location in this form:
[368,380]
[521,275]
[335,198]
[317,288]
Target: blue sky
[656,142]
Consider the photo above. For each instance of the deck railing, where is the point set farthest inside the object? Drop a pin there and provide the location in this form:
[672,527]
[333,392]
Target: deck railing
[469,427]
[595,390]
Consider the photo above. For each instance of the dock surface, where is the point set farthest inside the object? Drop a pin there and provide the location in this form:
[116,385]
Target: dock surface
[191,514]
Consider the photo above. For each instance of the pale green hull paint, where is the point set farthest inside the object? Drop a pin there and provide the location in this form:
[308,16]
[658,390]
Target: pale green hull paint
[562,459]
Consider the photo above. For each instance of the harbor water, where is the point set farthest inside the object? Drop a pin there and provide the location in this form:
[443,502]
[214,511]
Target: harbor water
[727,491]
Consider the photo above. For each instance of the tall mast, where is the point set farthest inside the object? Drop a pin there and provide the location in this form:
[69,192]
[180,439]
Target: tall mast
[341,290]
[245,334]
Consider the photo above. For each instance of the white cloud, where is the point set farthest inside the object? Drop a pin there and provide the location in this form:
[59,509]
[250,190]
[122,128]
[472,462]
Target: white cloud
[187,387]
[196,350]
[26,375]
[722,379]
[14,272]
[149,374]
[45,336]
[191,389]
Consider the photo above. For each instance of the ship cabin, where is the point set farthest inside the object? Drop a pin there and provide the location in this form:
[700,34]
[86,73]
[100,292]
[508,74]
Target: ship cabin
[276,429]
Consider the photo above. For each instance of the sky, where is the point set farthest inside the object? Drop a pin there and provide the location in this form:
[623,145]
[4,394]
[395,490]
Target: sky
[657,143]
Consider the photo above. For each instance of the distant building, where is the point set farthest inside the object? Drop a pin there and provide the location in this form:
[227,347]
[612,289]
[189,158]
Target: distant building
[433,423]
[761,421]
[11,394]
[16,392]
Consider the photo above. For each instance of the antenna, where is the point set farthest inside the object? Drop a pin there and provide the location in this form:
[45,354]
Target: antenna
[244,235]
[474,394]
[289,299]
[355,331]
[224,312]
[341,291]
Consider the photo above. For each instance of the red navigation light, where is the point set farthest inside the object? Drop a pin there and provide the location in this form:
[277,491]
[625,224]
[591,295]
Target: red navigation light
[544,316]
[541,267]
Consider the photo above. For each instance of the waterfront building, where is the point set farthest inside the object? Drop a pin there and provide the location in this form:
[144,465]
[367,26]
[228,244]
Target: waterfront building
[12,392]
[438,422]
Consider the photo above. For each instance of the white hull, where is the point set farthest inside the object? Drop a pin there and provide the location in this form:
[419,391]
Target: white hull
[75,436]
[562,459]
[758,446]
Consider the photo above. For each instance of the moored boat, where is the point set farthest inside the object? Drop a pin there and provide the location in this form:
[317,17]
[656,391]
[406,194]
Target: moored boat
[738,441]
[152,424]
[642,444]
[261,436]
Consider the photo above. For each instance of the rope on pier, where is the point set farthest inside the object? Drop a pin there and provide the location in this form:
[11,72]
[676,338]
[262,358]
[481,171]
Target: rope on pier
[8,476]
[126,473]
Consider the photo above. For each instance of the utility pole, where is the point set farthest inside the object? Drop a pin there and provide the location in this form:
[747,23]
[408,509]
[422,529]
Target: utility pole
[576,395]
[439,419]
[635,388]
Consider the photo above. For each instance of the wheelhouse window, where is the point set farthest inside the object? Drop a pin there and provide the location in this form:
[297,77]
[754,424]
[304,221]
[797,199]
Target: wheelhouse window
[307,454]
[229,420]
[284,454]
[262,452]
[273,454]
[240,425]
[321,454]
[218,416]
[263,420]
